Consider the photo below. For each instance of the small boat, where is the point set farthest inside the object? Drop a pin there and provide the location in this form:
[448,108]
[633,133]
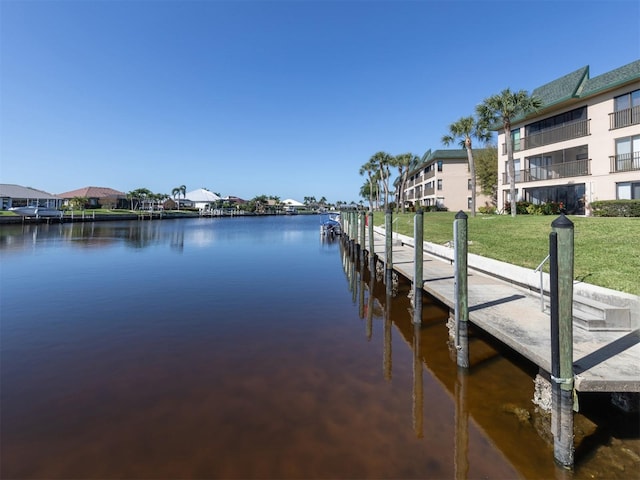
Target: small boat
[330,224]
[36,211]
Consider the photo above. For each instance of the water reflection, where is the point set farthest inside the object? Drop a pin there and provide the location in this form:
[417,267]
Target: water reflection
[421,321]
[246,355]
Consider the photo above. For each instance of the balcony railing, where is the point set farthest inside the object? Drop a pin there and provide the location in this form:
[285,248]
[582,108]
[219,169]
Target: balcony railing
[429,191]
[578,168]
[565,132]
[626,162]
[624,118]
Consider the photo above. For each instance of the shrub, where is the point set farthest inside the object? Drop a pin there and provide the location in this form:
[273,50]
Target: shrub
[521,207]
[616,208]
[487,209]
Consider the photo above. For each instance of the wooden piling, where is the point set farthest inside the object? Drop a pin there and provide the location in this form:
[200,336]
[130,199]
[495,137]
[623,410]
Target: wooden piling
[461,291]
[563,448]
[388,246]
[372,255]
[362,236]
[418,255]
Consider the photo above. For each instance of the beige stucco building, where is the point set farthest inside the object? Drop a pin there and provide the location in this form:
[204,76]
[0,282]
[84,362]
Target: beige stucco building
[442,179]
[583,145]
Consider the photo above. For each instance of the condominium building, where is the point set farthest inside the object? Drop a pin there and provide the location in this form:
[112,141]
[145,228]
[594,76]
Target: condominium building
[442,179]
[583,145]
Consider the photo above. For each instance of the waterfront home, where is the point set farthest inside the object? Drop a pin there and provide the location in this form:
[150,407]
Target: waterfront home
[98,197]
[583,145]
[442,180]
[18,196]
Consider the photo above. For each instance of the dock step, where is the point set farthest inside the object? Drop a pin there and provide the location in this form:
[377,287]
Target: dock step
[593,315]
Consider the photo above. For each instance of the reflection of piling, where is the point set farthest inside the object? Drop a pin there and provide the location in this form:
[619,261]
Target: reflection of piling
[461,300]
[418,234]
[561,256]
[386,354]
[418,387]
[462,427]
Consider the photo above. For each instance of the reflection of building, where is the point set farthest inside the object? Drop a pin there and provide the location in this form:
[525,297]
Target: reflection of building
[442,179]
[18,196]
[582,145]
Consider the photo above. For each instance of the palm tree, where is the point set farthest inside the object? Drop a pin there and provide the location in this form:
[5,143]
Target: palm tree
[504,107]
[176,192]
[405,162]
[382,161]
[370,169]
[463,130]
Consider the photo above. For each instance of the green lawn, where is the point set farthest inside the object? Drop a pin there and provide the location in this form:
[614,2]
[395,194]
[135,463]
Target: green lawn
[607,250]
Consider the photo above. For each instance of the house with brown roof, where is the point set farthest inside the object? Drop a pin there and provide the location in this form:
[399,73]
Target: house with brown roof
[98,197]
[582,145]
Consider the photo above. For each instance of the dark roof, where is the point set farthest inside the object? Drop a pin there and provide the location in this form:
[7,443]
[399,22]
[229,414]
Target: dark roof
[432,156]
[612,79]
[563,88]
[577,85]
[10,190]
[92,192]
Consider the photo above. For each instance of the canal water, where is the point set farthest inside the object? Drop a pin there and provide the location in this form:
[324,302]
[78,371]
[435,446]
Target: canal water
[241,348]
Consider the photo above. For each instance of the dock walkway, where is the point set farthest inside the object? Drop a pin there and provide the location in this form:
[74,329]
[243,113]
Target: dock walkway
[604,361]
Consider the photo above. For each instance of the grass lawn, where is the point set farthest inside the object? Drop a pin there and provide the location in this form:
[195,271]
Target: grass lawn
[607,250]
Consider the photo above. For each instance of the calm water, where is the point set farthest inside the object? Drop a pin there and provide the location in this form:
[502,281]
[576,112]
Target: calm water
[238,348]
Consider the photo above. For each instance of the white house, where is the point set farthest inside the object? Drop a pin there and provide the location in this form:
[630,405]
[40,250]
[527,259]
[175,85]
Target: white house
[202,198]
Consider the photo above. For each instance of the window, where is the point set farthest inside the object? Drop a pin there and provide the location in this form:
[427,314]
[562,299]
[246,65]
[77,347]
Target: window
[439,165]
[468,184]
[556,121]
[627,154]
[439,184]
[628,190]
[626,109]
[469,203]
[516,169]
[515,140]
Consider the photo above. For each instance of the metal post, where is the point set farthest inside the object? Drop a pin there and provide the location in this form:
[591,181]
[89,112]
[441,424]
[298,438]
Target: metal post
[418,254]
[461,300]
[563,448]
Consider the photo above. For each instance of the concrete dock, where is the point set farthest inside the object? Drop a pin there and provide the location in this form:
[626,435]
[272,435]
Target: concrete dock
[604,360]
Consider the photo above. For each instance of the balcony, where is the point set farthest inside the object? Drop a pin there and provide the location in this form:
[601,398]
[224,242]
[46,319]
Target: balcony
[626,162]
[549,136]
[624,118]
[578,168]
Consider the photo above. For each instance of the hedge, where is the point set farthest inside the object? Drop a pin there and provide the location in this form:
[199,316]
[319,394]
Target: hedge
[616,208]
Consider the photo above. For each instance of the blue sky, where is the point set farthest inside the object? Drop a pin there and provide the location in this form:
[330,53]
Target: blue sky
[285,98]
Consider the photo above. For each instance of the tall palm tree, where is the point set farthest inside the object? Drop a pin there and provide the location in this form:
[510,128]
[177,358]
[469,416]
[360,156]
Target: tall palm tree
[405,162]
[505,107]
[176,192]
[463,130]
[370,169]
[382,162]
